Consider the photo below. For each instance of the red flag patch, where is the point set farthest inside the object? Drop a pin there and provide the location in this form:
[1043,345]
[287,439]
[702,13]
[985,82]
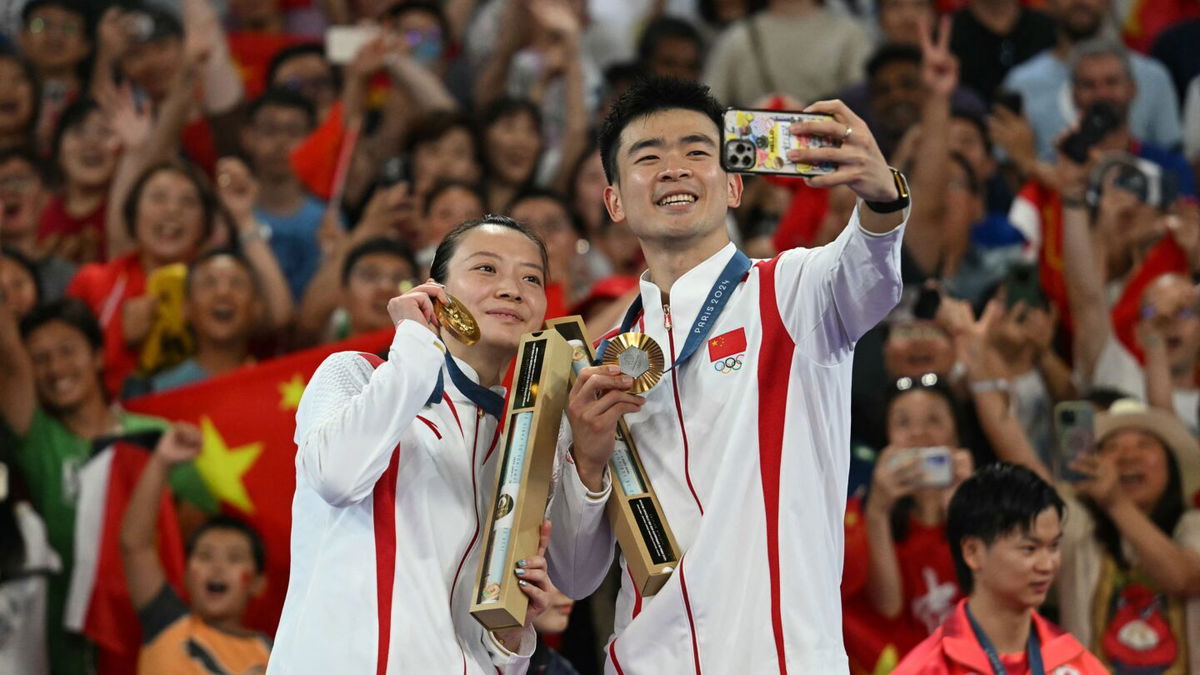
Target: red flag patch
[727,344]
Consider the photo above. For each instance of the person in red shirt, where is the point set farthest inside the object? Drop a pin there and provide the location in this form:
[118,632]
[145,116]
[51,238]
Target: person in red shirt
[85,153]
[170,212]
[911,574]
[1004,525]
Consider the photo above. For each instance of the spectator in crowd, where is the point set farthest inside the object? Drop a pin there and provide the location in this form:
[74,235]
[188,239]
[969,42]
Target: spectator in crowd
[19,101]
[585,191]
[546,212]
[18,282]
[720,14]
[26,563]
[170,213]
[85,152]
[23,196]
[1168,310]
[275,124]
[545,65]
[447,204]
[224,569]
[911,574]
[305,70]
[758,57]
[54,406]
[1175,48]
[224,308]
[1004,526]
[671,47]
[423,26]
[1132,544]
[991,37]
[56,38]
[370,274]
[511,130]
[442,147]
[899,20]
[1044,82]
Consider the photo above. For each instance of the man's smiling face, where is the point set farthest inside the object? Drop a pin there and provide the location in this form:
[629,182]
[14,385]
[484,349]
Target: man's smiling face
[669,184]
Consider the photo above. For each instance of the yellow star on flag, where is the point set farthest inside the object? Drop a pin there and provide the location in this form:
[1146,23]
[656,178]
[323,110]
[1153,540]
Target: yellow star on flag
[290,392]
[222,467]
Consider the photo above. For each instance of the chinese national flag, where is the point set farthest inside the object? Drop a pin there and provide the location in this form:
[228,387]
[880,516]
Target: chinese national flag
[727,344]
[248,418]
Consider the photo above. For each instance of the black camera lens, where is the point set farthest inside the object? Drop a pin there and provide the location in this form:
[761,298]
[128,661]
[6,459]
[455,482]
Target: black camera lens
[1067,417]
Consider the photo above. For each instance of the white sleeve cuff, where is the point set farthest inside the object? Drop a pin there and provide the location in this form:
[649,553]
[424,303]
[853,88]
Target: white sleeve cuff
[857,222]
[503,656]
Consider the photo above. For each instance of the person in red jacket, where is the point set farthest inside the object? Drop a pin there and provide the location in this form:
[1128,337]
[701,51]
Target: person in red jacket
[1004,527]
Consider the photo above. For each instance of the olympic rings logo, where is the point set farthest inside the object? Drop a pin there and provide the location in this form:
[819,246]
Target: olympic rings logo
[728,365]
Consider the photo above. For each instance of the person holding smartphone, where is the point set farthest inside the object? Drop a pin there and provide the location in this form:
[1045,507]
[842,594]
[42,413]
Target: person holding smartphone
[910,575]
[1129,588]
[745,438]
[393,472]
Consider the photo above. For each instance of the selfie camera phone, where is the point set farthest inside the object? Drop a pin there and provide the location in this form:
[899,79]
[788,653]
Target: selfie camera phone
[758,141]
[1075,423]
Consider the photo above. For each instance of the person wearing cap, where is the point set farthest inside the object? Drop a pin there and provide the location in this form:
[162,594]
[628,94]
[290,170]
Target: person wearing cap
[1129,587]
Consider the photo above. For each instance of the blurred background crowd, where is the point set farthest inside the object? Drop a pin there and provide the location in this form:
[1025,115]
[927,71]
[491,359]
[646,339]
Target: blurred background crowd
[194,190]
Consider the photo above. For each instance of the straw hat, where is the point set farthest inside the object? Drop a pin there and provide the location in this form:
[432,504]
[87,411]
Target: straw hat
[1163,425]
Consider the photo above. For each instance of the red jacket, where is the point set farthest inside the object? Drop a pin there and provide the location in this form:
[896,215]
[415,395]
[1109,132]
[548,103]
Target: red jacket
[953,650]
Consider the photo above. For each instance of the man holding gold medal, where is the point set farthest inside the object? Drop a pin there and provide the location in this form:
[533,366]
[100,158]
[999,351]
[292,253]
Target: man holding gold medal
[734,378]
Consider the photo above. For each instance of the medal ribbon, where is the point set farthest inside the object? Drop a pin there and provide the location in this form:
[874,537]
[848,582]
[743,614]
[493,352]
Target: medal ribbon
[1033,648]
[487,400]
[731,276]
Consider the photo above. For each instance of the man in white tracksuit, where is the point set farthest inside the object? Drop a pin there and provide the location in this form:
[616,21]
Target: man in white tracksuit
[746,440]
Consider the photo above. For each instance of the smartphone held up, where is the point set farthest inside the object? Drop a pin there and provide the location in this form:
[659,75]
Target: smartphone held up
[1076,426]
[758,142]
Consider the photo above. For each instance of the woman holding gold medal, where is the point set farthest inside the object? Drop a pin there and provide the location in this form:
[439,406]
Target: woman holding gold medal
[394,471]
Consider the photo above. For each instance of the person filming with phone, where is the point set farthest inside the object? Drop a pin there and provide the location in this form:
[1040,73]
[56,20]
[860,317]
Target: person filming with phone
[1129,587]
[910,573]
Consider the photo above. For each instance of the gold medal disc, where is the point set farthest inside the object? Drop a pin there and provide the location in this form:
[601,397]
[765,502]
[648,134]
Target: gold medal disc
[638,356]
[457,321]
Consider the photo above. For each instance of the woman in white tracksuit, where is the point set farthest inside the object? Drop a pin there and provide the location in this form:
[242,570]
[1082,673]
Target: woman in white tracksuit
[394,472]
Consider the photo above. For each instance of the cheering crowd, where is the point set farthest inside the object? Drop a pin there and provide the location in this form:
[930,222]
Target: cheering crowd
[194,189]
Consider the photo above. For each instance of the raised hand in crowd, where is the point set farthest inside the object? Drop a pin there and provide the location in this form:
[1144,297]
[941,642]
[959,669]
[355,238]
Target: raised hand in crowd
[237,190]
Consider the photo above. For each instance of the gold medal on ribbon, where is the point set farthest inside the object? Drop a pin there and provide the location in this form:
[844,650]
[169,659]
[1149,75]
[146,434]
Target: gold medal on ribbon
[457,321]
[638,356]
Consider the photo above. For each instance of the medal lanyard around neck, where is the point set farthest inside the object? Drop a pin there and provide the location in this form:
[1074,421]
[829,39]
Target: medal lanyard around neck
[730,277]
[487,400]
[1033,648]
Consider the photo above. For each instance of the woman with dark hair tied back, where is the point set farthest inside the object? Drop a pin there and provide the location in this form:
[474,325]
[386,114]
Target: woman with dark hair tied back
[392,475]
[910,576]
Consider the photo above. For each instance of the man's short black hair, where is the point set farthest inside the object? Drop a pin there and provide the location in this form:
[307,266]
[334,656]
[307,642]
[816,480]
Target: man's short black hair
[647,96]
[283,97]
[892,53]
[294,51]
[212,253]
[393,247]
[997,500]
[71,311]
[432,127]
[665,28]
[224,522]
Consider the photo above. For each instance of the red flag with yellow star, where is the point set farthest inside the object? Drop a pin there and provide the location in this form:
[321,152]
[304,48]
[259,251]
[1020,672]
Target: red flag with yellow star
[248,418]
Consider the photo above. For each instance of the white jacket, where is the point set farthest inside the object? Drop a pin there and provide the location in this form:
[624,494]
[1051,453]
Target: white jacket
[386,530]
[749,455]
